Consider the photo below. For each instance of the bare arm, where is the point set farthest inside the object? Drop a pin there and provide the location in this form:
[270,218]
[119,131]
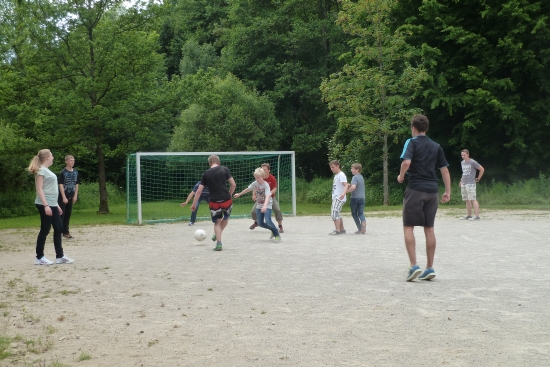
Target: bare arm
[39,183]
[352,188]
[345,184]
[197,196]
[404,168]
[191,194]
[242,192]
[75,193]
[232,186]
[447,180]
[481,172]
[62,191]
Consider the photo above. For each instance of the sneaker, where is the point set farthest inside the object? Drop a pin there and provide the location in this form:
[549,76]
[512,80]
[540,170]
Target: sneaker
[272,236]
[218,247]
[343,231]
[42,261]
[466,217]
[191,224]
[214,237]
[427,274]
[363,230]
[357,232]
[254,225]
[277,239]
[414,271]
[64,260]
[281,230]
[68,236]
[474,218]
[334,232]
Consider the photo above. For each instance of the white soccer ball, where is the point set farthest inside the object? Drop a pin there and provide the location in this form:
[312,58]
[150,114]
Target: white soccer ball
[200,234]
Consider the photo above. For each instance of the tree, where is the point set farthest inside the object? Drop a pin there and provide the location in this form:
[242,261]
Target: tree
[225,115]
[101,82]
[371,96]
[490,79]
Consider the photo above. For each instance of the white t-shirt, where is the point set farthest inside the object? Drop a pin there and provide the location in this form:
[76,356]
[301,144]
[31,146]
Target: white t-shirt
[338,186]
[262,192]
[50,188]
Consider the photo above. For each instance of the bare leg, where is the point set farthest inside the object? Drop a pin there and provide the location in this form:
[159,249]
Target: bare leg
[476,207]
[341,224]
[410,243]
[430,246]
[469,207]
[219,226]
[337,225]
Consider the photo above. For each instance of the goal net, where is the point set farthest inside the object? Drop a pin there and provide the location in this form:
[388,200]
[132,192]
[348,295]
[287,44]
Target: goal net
[156,183]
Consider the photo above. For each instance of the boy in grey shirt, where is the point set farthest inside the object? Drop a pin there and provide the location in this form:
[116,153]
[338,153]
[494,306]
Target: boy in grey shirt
[468,184]
[357,200]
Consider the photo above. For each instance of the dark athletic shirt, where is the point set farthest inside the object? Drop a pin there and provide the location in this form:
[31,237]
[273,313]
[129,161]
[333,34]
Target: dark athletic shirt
[425,156]
[216,180]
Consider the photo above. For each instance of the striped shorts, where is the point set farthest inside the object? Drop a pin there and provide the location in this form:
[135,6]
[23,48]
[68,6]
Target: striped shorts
[336,208]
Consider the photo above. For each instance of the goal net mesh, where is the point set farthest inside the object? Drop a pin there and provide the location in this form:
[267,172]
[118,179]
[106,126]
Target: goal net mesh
[164,180]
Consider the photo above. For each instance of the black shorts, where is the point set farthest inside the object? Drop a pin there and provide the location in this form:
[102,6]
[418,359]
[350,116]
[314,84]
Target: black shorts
[419,208]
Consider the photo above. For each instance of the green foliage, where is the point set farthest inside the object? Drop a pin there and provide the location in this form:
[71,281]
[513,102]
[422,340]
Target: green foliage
[490,78]
[370,97]
[225,115]
[195,57]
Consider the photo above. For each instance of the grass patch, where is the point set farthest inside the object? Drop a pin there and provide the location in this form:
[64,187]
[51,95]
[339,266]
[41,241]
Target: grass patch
[4,344]
[84,356]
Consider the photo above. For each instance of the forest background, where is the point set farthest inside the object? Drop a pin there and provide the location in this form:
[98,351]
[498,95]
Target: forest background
[99,79]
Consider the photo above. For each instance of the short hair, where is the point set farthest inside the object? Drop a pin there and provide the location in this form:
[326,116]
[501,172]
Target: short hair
[334,162]
[420,123]
[465,151]
[259,172]
[357,166]
[213,159]
[67,157]
[266,165]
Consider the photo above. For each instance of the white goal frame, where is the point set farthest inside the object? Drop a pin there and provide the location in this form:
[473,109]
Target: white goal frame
[141,154]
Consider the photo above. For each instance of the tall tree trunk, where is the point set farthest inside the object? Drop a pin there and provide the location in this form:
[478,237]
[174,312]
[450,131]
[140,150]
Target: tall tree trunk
[103,200]
[385,170]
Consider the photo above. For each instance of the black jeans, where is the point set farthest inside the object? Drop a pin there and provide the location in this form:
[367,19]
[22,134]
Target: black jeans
[66,216]
[46,222]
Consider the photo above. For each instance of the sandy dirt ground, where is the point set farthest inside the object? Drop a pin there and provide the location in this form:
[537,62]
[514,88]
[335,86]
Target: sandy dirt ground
[154,296]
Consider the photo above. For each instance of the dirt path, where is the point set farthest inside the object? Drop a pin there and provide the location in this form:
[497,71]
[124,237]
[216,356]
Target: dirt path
[153,296]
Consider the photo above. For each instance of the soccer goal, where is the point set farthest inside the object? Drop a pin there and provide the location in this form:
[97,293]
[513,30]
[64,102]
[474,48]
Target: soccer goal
[156,183]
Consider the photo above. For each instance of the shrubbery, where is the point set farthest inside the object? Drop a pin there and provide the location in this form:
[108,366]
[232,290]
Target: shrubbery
[18,204]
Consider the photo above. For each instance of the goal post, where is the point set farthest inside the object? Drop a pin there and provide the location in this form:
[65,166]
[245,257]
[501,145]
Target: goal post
[157,182]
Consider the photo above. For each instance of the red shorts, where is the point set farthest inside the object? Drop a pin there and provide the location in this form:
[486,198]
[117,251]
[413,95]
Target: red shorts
[220,210]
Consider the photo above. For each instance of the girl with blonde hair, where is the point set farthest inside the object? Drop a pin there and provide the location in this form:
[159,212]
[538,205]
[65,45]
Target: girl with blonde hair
[46,202]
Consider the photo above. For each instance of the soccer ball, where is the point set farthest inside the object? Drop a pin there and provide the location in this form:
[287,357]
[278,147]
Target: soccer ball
[200,234]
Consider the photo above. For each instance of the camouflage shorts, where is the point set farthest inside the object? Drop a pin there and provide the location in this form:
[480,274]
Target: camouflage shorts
[468,192]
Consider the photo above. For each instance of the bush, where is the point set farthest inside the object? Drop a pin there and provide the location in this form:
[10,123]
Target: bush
[21,203]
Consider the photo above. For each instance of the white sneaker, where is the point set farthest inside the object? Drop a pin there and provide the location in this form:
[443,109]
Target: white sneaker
[42,261]
[271,237]
[64,260]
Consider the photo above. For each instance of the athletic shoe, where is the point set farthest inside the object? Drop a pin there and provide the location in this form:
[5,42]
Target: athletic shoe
[281,230]
[343,231]
[214,237]
[277,239]
[427,274]
[466,217]
[254,225]
[334,232]
[357,232]
[272,236]
[42,261]
[363,230]
[218,247]
[414,271]
[64,260]
[474,218]
[68,236]
[191,224]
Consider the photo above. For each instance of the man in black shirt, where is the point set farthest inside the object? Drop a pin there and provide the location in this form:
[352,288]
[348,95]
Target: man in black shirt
[220,197]
[420,158]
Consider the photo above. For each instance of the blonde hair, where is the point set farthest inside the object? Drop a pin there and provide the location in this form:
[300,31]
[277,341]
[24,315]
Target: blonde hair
[213,159]
[67,157]
[259,172]
[357,166]
[37,160]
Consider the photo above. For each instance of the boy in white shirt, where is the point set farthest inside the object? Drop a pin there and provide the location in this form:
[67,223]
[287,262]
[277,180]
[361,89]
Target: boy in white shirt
[339,186]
